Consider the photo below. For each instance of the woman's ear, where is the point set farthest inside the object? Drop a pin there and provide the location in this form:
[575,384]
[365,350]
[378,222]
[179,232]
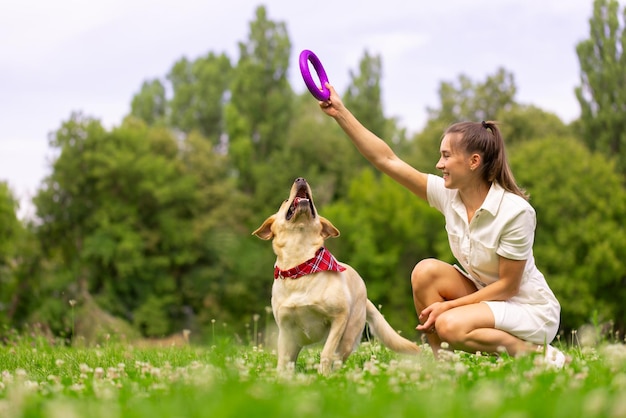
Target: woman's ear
[475,161]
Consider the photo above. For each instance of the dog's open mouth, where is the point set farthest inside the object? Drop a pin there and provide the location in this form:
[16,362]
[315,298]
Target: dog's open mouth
[302,201]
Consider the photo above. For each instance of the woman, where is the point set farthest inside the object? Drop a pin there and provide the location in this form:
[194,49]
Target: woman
[497,300]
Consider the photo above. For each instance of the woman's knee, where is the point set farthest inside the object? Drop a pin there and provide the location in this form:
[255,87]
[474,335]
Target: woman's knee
[449,328]
[423,273]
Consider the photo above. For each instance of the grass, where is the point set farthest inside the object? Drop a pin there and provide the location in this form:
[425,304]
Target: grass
[39,379]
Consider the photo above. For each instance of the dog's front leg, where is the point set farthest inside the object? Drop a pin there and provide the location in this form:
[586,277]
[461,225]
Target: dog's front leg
[335,334]
[288,350]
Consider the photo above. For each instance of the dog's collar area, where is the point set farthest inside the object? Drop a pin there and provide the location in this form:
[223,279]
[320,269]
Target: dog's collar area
[323,261]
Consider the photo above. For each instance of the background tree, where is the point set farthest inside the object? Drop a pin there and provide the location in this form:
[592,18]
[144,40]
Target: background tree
[363,96]
[260,109]
[135,215]
[150,104]
[11,233]
[472,101]
[200,90]
[580,241]
[523,123]
[602,93]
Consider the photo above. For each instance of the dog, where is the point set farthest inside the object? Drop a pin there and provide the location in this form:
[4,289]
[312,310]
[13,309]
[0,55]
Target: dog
[314,296]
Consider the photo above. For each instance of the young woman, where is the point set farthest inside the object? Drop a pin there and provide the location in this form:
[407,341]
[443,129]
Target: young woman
[497,300]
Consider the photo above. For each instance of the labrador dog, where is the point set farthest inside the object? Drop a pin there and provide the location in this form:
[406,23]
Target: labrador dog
[315,297]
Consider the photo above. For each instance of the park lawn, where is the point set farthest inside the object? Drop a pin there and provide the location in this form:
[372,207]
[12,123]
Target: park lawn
[39,379]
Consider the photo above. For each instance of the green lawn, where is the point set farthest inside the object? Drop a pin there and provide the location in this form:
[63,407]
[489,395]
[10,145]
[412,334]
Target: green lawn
[230,380]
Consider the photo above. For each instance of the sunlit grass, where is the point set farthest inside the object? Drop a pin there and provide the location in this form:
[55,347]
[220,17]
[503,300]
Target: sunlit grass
[39,379]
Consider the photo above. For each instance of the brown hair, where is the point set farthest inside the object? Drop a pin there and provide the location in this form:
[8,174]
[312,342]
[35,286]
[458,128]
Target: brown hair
[485,139]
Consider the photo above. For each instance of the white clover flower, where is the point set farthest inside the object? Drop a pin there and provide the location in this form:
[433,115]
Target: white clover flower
[98,372]
[31,385]
[77,387]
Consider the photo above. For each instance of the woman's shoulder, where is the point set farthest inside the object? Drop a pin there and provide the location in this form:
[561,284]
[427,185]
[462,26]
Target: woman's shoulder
[516,203]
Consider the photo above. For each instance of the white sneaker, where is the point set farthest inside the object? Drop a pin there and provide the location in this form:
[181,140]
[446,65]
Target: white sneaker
[554,357]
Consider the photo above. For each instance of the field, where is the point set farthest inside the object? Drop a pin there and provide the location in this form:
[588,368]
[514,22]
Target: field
[40,379]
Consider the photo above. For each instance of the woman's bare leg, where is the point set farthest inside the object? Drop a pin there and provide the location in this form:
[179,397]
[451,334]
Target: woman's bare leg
[471,328]
[436,281]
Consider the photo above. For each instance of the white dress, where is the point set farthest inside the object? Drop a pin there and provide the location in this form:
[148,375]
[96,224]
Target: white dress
[504,226]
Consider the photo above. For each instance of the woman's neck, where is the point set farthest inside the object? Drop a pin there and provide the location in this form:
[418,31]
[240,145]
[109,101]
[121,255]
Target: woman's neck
[473,197]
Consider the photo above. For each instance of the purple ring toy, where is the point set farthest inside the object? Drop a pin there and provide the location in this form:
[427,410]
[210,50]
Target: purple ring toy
[319,92]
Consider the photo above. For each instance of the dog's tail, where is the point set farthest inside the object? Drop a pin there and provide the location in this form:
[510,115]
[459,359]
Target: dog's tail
[385,333]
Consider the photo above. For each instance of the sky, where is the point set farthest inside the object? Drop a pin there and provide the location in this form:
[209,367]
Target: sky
[91,56]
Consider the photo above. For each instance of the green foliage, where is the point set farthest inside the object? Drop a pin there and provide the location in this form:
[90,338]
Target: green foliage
[525,123]
[363,96]
[580,241]
[260,107]
[132,212]
[472,101]
[199,90]
[602,93]
[11,236]
[150,103]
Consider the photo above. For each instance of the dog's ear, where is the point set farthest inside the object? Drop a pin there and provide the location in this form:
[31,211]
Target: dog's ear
[328,229]
[265,230]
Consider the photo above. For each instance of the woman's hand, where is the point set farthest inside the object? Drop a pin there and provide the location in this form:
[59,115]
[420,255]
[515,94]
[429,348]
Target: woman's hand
[429,316]
[333,105]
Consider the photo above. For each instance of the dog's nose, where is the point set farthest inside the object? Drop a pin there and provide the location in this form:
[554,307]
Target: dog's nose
[300,180]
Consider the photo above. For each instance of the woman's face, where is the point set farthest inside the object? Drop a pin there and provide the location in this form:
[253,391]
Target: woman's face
[455,166]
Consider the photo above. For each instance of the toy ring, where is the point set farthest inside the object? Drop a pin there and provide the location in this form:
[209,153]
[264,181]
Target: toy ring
[319,92]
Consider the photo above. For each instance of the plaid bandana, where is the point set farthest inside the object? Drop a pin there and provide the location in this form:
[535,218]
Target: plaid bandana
[323,261]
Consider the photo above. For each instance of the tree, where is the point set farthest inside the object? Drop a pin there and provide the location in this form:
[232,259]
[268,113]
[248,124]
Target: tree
[11,234]
[139,219]
[527,122]
[363,96]
[261,105]
[471,101]
[602,93]
[200,90]
[150,103]
[580,241]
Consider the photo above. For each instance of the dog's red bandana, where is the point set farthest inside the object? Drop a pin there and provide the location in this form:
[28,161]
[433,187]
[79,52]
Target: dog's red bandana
[323,261]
